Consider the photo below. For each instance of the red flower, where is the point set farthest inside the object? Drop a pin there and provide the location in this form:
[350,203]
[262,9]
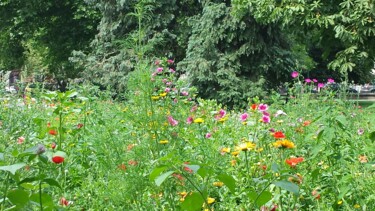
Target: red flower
[64,202]
[316,194]
[254,106]
[53,145]
[58,159]
[80,125]
[122,167]
[292,162]
[52,132]
[279,134]
[187,168]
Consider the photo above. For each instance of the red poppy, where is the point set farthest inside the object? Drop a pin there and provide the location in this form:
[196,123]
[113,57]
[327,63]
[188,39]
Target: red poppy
[254,106]
[52,132]
[58,159]
[292,162]
[279,134]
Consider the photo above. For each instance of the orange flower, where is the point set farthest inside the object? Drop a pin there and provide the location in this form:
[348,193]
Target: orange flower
[254,106]
[292,162]
[306,123]
[52,132]
[279,134]
[363,159]
[284,144]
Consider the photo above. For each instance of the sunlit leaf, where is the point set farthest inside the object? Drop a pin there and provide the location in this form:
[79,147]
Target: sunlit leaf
[12,168]
[163,177]
[228,181]
[192,202]
[286,185]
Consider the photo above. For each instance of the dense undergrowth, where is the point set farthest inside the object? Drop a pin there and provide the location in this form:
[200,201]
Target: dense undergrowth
[163,149]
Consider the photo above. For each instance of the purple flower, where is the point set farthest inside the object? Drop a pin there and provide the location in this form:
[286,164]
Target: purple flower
[330,80]
[272,130]
[295,74]
[244,116]
[308,80]
[172,121]
[315,81]
[262,107]
[320,85]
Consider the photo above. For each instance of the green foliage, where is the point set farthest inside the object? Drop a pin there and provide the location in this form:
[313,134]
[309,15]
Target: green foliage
[233,58]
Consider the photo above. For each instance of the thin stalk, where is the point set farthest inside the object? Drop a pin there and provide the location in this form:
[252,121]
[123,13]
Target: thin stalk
[40,196]
[200,192]
[6,190]
[60,128]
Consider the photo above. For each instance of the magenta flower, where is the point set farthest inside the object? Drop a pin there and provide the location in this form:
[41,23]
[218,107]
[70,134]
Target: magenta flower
[172,121]
[308,80]
[244,117]
[330,80]
[265,113]
[159,70]
[295,74]
[222,113]
[208,135]
[167,90]
[189,120]
[266,119]
[262,107]
[320,85]
[314,80]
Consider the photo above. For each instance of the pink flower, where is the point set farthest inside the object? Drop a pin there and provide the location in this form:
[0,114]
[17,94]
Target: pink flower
[168,83]
[159,69]
[314,80]
[172,70]
[320,85]
[330,80]
[185,93]
[222,113]
[157,62]
[265,113]
[244,116]
[189,120]
[295,74]
[170,61]
[266,119]
[208,135]
[263,107]
[308,80]
[194,108]
[167,90]
[20,140]
[172,121]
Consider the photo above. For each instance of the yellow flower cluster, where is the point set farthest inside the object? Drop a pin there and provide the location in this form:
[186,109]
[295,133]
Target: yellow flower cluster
[283,144]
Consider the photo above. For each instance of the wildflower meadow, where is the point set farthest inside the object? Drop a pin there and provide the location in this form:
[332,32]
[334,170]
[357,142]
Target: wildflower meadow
[163,148]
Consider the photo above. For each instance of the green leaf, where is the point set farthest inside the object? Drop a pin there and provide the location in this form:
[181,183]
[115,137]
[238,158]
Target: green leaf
[315,174]
[228,181]
[52,182]
[1,156]
[194,168]
[18,197]
[275,167]
[203,172]
[372,136]
[46,200]
[192,202]
[12,168]
[156,172]
[263,198]
[161,178]
[286,185]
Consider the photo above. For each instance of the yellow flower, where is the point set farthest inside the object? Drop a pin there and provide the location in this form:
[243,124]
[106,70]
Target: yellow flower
[244,123]
[280,121]
[284,144]
[357,206]
[163,94]
[223,119]
[259,149]
[210,200]
[233,162]
[339,202]
[225,150]
[218,184]
[246,146]
[155,97]
[198,120]
[235,153]
[163,142]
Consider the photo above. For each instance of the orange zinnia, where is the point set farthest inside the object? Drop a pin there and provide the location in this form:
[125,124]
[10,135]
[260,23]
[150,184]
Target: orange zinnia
[279,134]
[292,162]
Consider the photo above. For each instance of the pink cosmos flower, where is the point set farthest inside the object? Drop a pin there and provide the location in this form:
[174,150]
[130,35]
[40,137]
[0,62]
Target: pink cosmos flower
[172,70]
[320,85]
[222,113]
[295,74]
[244,117]
[208,135]
[330,80]
[167,90]
[20,140]
[308,80]
[172,121]
[266,119]
[189,120]
[314,80]
[262,107]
